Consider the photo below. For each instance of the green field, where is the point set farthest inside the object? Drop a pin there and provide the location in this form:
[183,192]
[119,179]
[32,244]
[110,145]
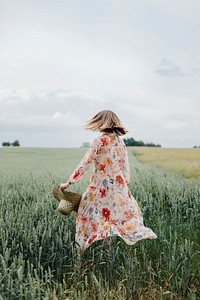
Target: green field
[185,162]
[37,251]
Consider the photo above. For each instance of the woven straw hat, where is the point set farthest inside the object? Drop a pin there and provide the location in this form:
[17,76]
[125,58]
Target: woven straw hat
[68,201]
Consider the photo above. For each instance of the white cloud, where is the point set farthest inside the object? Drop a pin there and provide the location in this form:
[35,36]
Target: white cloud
[175,124]
[58,115]
[23,94]
[68,118]
[5,93]
[15,95]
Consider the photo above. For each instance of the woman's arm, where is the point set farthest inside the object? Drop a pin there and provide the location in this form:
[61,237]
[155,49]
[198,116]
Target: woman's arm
[85,163]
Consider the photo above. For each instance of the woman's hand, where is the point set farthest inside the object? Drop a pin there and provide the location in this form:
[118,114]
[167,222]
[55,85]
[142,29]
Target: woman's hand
[64,186]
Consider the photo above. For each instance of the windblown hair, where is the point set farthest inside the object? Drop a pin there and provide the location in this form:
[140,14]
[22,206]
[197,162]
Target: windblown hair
[106,121]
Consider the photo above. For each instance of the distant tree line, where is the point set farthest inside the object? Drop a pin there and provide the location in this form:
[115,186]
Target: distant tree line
[132,142]
[15,143]
[196,147]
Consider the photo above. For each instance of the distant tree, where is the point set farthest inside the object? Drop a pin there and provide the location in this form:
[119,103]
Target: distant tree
[5,144]
[85,144]
[16,143]
[132,142]
[140,143]
[152,145]
[196,147]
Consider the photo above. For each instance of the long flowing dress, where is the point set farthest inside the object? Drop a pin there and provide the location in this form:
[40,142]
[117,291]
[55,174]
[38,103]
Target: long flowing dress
[107,207]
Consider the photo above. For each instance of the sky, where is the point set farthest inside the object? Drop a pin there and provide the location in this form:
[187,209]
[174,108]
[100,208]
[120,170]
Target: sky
[61,62]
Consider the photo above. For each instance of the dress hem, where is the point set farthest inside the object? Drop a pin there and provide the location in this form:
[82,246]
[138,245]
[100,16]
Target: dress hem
[151,237]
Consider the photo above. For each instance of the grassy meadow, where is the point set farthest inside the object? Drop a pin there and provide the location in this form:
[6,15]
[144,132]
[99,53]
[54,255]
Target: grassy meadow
[37,249]
[185,162]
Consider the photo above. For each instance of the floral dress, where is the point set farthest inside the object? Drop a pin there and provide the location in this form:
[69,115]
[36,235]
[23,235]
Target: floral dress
[107,207]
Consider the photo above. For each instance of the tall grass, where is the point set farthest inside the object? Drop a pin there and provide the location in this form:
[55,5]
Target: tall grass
[38,257]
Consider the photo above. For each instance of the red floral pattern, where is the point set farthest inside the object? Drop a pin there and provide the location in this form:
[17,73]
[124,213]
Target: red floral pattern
[104,141]
[102,167]
[128,214]
[77,174]
[92,188]
[106,214]
[103,193]
[84,219]
[119,179]
[92,239]
[94,225]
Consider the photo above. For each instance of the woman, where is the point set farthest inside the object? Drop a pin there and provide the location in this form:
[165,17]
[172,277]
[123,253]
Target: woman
[107,207]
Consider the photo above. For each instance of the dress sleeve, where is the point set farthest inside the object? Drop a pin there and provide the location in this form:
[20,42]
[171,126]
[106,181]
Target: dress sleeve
[125,165]
[85,163]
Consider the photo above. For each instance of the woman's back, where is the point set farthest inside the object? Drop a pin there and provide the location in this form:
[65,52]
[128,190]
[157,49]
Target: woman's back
[111,160]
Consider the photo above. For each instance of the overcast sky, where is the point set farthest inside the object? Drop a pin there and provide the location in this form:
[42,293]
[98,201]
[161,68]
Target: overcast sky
[63,61]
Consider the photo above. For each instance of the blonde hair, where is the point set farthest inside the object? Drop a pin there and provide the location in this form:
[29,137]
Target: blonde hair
[106,121]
